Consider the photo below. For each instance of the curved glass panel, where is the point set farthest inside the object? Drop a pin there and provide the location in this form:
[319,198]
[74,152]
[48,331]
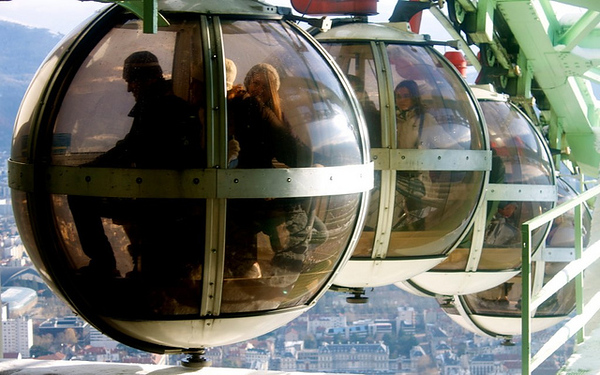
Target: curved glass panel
[285,109]
[297,93]
[562,232]
[23,221]
[433,111]
[518,157]
[152,100]
[525,158]
[505,299]
[282,251]
[430,207]
[438,112]
[154,247]
[20,142]
[134,104]
[358,63]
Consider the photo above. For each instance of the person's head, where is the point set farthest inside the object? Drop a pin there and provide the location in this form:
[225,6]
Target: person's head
[407,95]
[230,73]
[262,81]
[507,209]
[140,70]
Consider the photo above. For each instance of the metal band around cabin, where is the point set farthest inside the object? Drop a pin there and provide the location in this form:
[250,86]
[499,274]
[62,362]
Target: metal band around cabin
[194,183]
[521,193]
[431,159]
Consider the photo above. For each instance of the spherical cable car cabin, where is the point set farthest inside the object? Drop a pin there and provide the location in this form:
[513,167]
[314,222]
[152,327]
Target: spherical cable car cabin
[522,186]
[194,187]
[428,141]
[496,312]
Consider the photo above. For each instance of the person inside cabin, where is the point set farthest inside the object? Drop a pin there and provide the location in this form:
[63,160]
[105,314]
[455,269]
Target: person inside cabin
[260,137]
[413,121]
[416,129]
[165,234]
[502,231]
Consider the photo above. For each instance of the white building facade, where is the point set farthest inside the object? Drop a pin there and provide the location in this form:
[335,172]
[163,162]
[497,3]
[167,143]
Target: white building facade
[17,336]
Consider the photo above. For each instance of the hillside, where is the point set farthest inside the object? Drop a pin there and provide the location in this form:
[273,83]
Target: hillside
[22,49]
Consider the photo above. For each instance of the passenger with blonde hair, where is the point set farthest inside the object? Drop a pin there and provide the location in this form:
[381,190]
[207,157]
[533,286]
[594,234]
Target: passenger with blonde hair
[262,82]
[264,139]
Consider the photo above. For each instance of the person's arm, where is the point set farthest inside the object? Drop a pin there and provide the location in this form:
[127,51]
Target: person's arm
[118,156]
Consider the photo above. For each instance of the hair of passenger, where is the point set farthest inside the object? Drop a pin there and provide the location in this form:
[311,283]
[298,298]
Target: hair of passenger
[272,79]
[230,73]
[142,65]
[413,89]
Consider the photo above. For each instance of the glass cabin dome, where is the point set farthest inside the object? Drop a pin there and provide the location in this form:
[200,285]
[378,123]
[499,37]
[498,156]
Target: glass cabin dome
[194,187]
[429,144]
[496,312]
[522,185]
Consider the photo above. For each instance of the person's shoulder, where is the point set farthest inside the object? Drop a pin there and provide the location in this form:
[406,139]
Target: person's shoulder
[175,102]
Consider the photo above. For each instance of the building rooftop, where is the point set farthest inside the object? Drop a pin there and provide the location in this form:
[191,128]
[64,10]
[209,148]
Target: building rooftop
[64,322]
[365,348]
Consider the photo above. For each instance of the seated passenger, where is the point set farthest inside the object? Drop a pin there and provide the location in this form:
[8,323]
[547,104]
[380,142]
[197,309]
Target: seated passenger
[261,138]
[416,128]
[503,230]
[411,119]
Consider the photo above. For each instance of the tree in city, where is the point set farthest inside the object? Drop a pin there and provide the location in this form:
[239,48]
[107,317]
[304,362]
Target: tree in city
[399,345]
[68,337]
[310,342]
[355,337]
[42,344]
[37,351]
